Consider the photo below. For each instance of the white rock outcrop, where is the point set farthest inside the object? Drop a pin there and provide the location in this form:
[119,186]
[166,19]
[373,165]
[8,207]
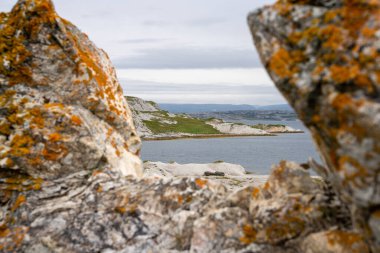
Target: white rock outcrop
[235,128]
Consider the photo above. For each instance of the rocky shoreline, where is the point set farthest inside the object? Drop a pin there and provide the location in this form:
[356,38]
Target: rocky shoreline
[232,176]
[200,136]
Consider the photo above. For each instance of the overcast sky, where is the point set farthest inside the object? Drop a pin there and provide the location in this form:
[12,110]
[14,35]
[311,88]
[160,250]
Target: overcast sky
[177,51]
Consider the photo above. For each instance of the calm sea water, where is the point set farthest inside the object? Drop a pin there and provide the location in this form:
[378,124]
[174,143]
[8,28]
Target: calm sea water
[255,154]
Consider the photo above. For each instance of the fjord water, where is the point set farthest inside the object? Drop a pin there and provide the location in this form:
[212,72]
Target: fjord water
[255,154]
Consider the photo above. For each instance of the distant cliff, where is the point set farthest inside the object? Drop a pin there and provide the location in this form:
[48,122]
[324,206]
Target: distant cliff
[153,123]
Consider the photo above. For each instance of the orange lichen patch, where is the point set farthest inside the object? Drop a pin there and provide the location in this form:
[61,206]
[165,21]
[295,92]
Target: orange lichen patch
[291,227]
[15,238]
[331,15]
[364,82]
[316,119]
[4,231]
[15,29]
[189,199]
[283,9]
[97,172]
[99,189]
[115,146]
[54,152]
[9,163]
[21,145]
[35,161]
[180,199]
[123,205]
[76,120]
[376,214]
[21,199]
[200,182]
[88,58]
[110,118]
[20,183]
[360,172]
[356,14]
[121,209]
[125,145]
[53,105]
[255,192]
[342,100]
[332,36]
[348,240]
[55,137]
[37,120]
[309,34]
[368,32]
[5,128]
[250,235]
[343,74]
[109,132]
[15,120]
[279,64]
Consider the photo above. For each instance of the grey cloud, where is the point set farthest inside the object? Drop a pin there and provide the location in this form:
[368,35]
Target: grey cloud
[156,23]
[97,14]
[144,41]
[192,22]
[205,21]
[190,93]
[150,87]
[176,58]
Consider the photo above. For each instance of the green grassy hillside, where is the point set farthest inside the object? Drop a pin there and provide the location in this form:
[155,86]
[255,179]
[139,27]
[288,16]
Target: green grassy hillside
[184,125]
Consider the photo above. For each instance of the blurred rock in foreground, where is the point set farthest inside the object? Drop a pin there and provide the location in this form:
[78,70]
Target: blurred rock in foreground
[324,56]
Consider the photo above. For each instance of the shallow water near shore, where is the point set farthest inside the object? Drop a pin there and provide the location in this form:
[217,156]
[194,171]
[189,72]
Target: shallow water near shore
[255,154]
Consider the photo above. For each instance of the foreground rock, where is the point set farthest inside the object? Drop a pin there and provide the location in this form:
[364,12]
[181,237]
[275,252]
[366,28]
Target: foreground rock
[324,57]
[98,212]
[62,108]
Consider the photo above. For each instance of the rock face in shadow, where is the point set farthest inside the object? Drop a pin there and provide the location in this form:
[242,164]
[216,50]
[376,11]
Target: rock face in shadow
[62,108]
[324,56]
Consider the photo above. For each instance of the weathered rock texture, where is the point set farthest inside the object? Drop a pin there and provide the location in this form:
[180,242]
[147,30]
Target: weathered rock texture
[324,56]
[98,212]
[62,108]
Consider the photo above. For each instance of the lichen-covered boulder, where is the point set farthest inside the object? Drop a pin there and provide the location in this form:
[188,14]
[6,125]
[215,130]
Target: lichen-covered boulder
[334,241]
[62,108]
[291,205]
[324,56]
[98,212]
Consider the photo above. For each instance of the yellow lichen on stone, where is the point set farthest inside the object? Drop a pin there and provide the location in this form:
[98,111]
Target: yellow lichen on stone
[249,234]
[200,182]
[351,242]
